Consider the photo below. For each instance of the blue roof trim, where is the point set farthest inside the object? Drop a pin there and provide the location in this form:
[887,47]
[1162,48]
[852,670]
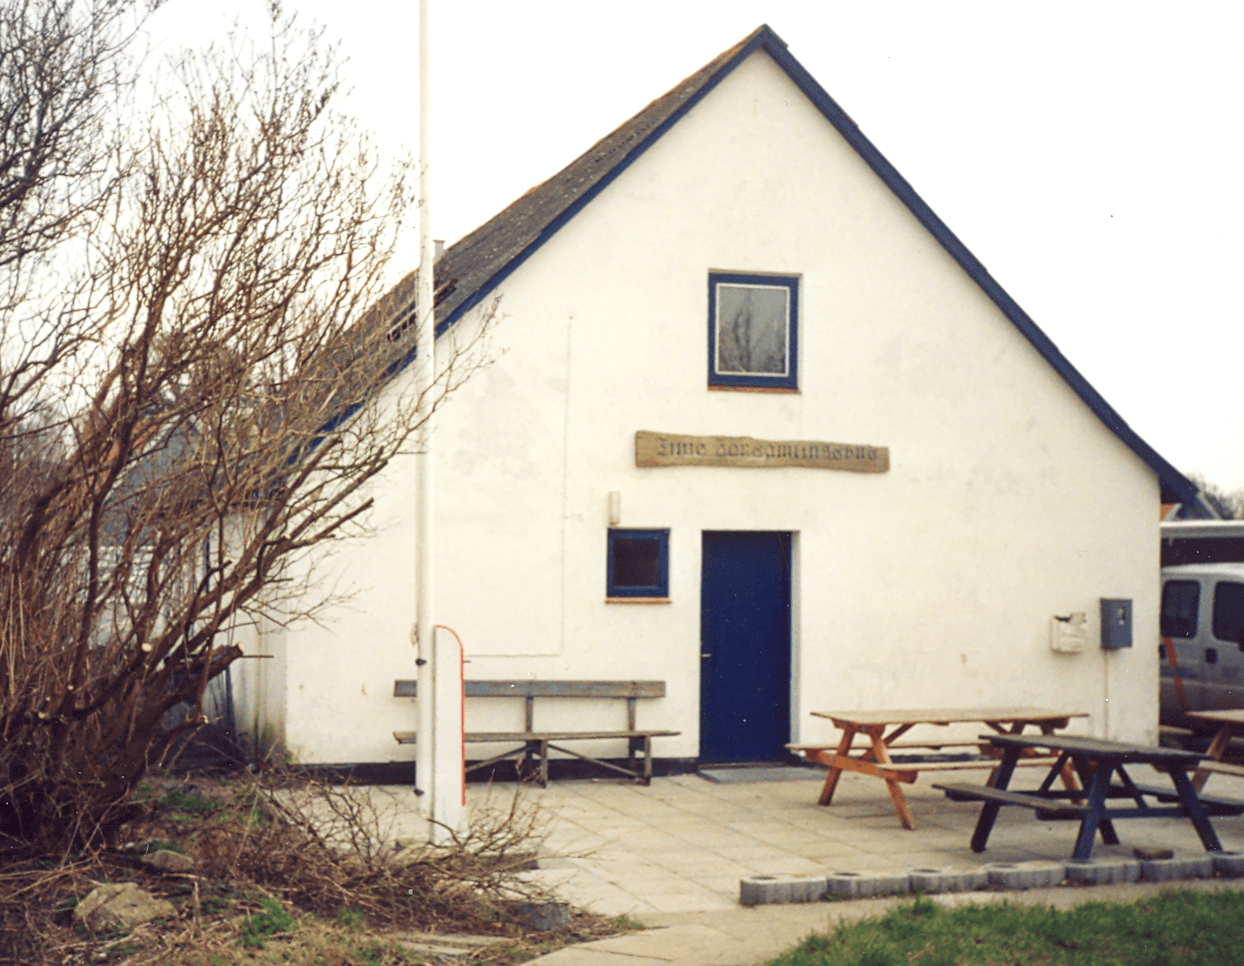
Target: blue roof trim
[1174,485]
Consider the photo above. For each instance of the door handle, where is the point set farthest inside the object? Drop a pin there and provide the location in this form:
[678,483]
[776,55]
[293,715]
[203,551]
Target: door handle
[705,654]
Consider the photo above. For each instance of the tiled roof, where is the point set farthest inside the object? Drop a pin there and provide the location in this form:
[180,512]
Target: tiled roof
[474,266]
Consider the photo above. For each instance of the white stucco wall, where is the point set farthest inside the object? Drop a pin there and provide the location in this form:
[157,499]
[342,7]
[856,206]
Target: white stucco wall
[1007,501]
[258,687]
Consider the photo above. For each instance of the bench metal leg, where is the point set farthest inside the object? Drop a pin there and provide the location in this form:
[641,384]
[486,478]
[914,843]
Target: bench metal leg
[989,811]
[984,825]
[517,754]
[1067,770]
[605,764]
[1196,811]
[635,745]
[1100,784]
[1059,768]
[1087,777]
[1130,786]
[531,759]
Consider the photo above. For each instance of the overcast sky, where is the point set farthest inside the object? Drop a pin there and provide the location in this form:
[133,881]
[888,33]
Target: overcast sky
[1088,154]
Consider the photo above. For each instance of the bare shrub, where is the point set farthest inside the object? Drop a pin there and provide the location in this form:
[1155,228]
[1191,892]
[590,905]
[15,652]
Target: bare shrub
[323,854]
[329,847]
[195,394]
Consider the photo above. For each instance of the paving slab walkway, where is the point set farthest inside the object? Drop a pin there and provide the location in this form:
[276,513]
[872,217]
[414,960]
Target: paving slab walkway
[671,855]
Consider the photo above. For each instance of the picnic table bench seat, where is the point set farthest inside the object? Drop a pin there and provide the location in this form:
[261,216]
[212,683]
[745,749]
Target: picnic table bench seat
[933,744]
[1214,804]
[1046,808]
[535,745]
[1222,768]
[904,768]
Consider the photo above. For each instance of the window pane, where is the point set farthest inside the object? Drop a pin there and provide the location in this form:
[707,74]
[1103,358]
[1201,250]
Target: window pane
[752,329]
[636,562]
[1229,612]
[1179,604]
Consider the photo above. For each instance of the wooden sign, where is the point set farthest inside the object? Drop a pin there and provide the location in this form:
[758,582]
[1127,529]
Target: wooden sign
[669,449]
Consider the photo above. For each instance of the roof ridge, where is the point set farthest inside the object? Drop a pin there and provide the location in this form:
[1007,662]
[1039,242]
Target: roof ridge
[475,265]
[576,179]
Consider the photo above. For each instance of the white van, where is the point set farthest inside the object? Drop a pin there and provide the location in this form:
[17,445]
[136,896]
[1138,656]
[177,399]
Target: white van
[1202,647]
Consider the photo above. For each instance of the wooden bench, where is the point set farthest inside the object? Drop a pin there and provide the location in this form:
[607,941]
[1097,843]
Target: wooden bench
[536,744]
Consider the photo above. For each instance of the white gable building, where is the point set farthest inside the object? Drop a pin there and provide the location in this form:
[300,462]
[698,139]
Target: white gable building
[760,427]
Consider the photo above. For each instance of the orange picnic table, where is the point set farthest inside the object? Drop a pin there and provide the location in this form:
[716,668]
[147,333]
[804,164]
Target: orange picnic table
[1230,723]
[875,759]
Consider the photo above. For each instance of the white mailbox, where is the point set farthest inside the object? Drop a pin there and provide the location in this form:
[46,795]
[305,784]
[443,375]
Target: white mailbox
[1069,634]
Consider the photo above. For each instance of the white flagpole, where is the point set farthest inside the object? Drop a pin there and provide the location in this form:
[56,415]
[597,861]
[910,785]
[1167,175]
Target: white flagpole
[438,749]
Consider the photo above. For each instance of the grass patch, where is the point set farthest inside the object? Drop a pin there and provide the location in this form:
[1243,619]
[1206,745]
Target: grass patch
[273,920]
[1175,928]
[187,803]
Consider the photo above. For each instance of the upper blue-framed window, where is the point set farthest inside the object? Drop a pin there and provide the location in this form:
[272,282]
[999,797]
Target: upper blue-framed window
[753,330]
[639,563]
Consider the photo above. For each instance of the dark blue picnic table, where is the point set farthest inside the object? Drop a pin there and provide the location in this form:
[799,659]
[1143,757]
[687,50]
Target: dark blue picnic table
[1098,763]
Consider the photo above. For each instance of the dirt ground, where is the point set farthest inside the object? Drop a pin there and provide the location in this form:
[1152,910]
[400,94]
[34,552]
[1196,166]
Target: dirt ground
[286,871]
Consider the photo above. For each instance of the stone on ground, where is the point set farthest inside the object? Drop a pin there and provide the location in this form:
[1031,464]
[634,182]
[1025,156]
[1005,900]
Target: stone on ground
[123,905]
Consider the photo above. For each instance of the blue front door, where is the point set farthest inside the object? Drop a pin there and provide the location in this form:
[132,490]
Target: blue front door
[744,646]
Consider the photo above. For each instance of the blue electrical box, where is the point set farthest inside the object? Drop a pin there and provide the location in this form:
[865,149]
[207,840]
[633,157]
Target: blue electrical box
[1116,623]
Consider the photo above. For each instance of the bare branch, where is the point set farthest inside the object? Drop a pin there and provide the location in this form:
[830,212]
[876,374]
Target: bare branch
[201,410]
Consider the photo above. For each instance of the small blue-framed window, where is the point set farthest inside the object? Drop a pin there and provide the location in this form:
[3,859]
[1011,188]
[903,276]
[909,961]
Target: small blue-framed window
[753,331]
[639,564]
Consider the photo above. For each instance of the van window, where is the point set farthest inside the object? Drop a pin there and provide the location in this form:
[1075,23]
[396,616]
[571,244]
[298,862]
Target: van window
[1180,599]
[1229,612]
